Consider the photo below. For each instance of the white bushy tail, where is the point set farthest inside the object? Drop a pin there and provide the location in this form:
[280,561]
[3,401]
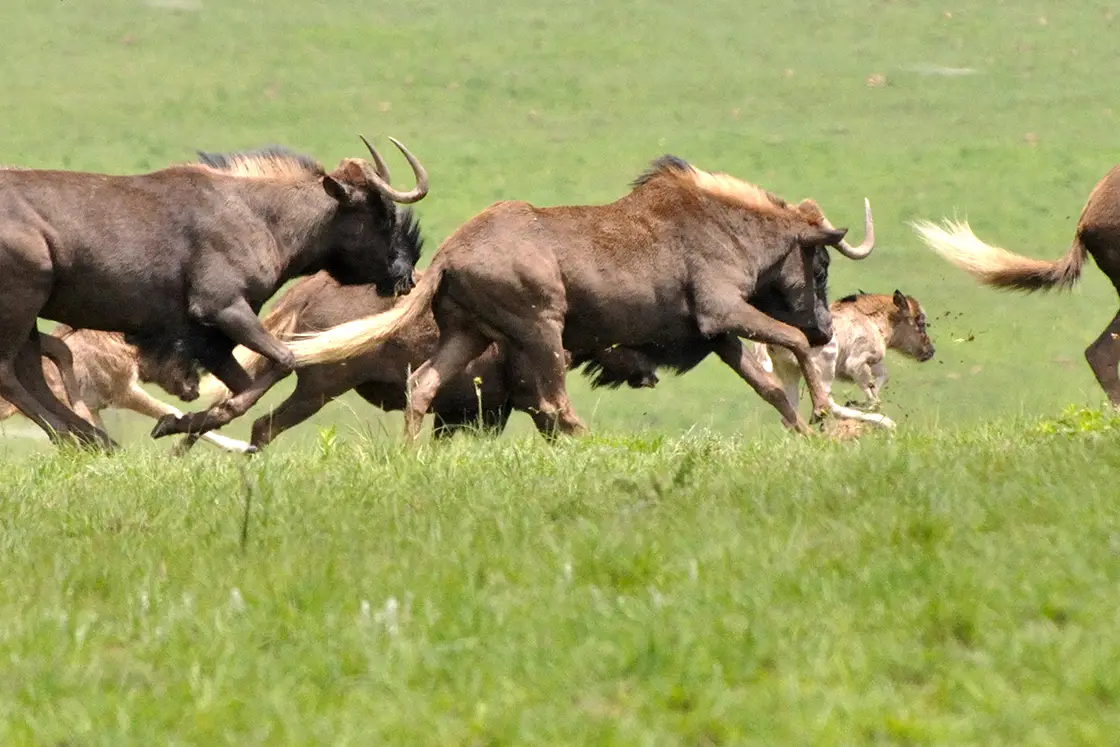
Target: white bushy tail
[360,336]
[998,267]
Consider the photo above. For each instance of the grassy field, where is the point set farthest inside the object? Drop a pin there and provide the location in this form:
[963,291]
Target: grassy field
[690,574]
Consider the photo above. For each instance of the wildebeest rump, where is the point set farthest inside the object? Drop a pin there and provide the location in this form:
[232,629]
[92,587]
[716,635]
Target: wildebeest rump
[1097,233]
[669,264]
[181,260]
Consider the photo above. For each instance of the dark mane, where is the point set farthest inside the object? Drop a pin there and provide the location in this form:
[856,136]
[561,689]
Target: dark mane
[852,298]
[666,164]
[269,161]
[407,241]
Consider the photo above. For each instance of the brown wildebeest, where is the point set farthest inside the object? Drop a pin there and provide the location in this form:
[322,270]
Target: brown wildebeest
[100,371]
[380,375]
[1097,233]
[864,326]
[181,260]
[670,266]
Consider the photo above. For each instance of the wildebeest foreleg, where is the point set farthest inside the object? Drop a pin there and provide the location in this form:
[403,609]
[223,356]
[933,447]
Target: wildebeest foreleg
[1104,357]
[198,423]
[716,317]
[240,324]
[734,353]
[136,399]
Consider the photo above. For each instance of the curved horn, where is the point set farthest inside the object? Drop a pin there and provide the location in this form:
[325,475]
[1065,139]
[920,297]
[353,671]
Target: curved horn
[868,243]
[415,194]
[382,169]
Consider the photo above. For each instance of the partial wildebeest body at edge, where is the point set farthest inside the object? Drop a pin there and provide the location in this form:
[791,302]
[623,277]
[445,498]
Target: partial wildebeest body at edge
[668,267]
[864,326]
[1097,233]
[101,371]
[180,260]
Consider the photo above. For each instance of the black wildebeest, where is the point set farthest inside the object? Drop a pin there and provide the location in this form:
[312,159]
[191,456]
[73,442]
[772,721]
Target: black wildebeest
[669,266]
[479,396]
[181,260]
[1097,233]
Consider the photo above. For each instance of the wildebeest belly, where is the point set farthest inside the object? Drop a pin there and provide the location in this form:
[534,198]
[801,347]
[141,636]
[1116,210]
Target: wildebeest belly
[612,314]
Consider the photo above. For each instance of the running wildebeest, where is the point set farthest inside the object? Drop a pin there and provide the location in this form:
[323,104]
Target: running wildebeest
[101,371]
[667,267]
[478,398]
[864,326]
[181,260]
[1097,233]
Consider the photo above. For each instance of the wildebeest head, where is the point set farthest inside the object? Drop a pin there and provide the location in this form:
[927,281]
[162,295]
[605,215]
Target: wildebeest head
[908,333]
[372,241]
[790,299]
[796,290]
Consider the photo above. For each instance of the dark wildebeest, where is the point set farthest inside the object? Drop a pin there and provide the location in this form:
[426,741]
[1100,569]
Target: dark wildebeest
[100,371]
[181,260]
[670,266]
[1097,233]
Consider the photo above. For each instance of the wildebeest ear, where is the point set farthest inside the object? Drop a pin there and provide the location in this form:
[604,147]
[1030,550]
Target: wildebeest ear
[900,301]
[818,236]
[338,191]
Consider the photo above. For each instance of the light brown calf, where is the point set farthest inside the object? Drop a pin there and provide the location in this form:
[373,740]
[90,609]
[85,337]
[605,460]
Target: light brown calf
[864,327]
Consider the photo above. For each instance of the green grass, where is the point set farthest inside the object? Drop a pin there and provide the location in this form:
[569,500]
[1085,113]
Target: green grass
[925,589]
[690,574]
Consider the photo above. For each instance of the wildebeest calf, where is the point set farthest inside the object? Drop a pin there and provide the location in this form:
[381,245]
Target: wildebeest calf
[864,326]
[100,371]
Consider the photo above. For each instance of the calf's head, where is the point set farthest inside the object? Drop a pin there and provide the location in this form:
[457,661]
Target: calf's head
[909,333]
[370,240]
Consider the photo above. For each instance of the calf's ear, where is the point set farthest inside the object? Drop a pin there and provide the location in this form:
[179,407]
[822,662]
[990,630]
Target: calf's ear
[900,301]
[339,192]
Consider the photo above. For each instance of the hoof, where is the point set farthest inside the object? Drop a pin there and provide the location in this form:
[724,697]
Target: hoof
[166,426]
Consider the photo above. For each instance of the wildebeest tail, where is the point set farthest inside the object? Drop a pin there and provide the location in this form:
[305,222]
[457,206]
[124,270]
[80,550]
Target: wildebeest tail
[281,321]
[358,337]
[998,267]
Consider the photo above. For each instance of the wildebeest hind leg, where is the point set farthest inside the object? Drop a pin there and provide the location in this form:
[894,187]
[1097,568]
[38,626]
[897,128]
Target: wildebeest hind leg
[538,366]
[1104,357]
[66,383]
[734,353]
[28,370]
[457,348]
[298,407]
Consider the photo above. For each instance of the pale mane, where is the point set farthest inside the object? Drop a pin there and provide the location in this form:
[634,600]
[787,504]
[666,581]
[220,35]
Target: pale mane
[719,185]
[273,162]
